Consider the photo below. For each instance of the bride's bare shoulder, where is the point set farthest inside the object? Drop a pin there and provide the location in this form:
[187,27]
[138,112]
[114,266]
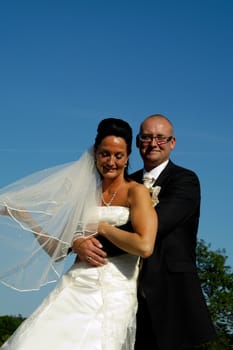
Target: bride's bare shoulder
[135,187]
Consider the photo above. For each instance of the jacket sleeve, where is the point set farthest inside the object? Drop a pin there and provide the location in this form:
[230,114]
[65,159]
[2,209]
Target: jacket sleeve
[179,201]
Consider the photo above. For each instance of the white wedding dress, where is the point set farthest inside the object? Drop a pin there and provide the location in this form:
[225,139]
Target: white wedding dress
[90,309]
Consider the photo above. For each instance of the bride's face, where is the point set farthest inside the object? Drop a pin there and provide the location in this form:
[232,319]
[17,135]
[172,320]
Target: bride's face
[111,157]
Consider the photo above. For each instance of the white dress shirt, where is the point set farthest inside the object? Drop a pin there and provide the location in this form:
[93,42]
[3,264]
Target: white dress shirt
[155,172]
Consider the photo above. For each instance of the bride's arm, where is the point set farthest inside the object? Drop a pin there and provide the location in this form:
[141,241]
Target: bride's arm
[3,210]
[144,222]
[141,242]
[49,244]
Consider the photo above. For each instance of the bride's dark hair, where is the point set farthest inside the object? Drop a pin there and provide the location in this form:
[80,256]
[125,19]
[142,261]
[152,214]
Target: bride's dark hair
[115,127]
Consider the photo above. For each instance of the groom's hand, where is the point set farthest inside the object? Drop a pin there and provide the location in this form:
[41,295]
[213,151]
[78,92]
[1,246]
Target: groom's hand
[90,250]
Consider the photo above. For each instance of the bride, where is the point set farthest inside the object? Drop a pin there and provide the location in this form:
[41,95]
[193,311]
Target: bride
[45,213]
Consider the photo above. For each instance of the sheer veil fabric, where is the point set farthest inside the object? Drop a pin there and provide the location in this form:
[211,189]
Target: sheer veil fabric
[44,212]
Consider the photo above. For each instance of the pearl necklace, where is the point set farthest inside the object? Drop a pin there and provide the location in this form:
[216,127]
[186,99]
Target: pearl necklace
[107,204]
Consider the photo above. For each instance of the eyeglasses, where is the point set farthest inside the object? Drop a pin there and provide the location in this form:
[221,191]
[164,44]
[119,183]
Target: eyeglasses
[160,139]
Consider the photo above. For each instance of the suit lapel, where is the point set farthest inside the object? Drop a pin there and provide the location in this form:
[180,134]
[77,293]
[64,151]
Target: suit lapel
[164,174]
[138,175]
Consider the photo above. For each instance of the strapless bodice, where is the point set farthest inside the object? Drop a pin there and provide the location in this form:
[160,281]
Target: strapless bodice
[114,215]
[118,216]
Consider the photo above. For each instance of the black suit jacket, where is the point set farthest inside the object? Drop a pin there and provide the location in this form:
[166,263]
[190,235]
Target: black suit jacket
[169,277]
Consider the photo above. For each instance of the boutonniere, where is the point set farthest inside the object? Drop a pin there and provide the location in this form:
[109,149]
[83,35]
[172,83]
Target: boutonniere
[154,191]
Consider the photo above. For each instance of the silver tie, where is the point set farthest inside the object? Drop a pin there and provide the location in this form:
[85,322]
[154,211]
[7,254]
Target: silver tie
[148,181]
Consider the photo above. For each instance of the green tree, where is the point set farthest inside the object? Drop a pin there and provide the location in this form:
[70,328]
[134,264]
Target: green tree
[8,325]
[217,284]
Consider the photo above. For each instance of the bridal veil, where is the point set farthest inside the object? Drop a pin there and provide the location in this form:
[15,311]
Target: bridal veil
[40,215]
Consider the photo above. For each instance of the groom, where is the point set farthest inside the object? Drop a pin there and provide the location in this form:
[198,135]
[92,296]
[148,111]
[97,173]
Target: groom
[172,313]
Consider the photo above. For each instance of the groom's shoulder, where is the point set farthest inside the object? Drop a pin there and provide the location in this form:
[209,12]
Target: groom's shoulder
[136,175]
[175,172]
[180,169]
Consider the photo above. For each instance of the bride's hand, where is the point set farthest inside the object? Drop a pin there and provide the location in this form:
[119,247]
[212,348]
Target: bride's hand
[3,210]
[90,250]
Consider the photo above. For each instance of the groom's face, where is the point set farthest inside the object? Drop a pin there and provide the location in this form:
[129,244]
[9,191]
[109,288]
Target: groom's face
[152,151]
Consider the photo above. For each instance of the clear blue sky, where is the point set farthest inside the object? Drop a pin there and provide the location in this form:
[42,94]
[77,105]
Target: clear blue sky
[65,65]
